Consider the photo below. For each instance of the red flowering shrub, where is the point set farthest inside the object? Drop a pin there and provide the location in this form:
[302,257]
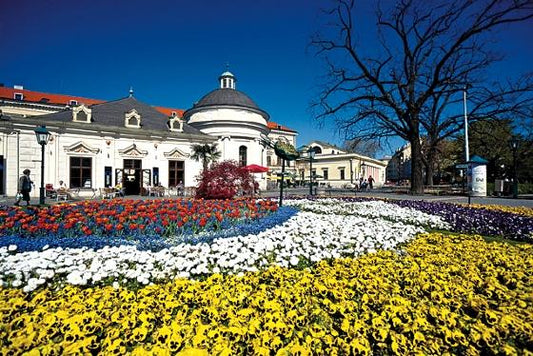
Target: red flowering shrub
[224,180]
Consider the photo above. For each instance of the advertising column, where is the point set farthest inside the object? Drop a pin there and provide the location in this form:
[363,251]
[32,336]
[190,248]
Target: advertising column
[477,177]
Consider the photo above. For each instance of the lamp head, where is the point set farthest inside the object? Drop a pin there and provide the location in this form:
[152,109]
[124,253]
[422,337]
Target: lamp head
[42,135]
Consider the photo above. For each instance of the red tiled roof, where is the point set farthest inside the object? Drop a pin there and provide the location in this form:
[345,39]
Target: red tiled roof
[275,126]
[61,99]
[169,111]
[36,97]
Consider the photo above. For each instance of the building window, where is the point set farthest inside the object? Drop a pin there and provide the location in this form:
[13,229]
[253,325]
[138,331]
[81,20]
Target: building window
[132,164]
[107,176]
[82,116]
[18,96]
[176,172]
[73,103]
[325,174]
[342,173]
[243,152]
[155,173]
[269,161]
[317,150]
[132,119]
[175,124]
[81,172]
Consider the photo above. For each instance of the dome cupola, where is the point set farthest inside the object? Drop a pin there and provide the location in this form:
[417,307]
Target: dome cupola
[227,80]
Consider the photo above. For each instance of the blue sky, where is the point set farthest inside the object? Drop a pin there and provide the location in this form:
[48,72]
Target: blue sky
[172,52]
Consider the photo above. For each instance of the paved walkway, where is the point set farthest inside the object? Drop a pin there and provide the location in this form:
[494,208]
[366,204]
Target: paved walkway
[523,200]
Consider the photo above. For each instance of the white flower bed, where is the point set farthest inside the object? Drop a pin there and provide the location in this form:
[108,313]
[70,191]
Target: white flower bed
[331,230]
[371,209]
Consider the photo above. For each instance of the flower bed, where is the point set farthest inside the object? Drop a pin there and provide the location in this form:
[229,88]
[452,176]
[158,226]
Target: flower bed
[475,298]
[322,276]
[488,222]
[146,224]
[303,239]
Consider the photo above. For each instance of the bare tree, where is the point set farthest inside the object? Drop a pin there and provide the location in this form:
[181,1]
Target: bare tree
[403,81]
[365,147]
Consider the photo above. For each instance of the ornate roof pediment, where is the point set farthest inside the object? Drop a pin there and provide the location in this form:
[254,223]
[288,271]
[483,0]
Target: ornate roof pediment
[133,151]
[81,147]
[175,153]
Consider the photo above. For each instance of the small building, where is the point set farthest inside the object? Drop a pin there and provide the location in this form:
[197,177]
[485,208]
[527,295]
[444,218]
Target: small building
[332,166]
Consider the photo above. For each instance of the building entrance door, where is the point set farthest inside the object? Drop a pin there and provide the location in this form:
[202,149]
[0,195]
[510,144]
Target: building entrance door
[132,176]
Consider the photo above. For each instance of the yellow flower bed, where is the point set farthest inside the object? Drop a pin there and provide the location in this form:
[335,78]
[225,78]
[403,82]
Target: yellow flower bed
[447,294]
[520,210]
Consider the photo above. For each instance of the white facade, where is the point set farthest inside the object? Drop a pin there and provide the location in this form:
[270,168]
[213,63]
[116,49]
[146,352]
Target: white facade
[128,148]
[235,120]
[20,150]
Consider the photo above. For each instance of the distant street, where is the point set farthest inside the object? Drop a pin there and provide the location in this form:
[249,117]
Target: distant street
[526,201]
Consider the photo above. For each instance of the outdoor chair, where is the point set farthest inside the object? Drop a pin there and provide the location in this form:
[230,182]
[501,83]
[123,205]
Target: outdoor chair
[172,191]
[107,193]
[50,191]
[62,194]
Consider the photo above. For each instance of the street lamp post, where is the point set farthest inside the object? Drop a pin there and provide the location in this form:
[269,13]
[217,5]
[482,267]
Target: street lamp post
[42,135]
[311,152]
[467,153]
[514,147]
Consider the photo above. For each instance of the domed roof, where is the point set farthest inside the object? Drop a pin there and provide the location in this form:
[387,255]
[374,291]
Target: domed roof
[227,74]
[226,97]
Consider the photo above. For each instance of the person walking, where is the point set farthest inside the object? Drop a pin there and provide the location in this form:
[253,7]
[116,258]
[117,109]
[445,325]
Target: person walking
[24,188]
[370,182]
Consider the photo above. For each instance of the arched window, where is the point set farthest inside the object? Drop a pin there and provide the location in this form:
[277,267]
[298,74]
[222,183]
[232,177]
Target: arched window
[242,155]
[317,149]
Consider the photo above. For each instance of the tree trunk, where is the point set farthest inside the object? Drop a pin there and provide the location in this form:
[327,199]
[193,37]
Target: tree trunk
[417,182]
[205,163]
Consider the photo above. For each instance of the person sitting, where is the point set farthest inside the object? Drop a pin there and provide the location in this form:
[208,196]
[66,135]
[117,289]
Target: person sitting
[62,192]
[119,190]
[179,188]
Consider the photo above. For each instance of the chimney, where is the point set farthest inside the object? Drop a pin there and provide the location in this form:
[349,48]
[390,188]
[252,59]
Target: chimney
[18,87]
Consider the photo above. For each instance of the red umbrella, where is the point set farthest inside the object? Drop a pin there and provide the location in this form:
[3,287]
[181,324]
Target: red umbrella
[254,168]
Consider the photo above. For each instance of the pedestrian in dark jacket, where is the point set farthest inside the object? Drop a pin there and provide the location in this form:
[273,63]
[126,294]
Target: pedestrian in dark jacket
[24,188]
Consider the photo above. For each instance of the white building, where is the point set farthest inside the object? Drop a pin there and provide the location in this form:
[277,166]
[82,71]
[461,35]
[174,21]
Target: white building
[235,120]
[95,144]
[337,168]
